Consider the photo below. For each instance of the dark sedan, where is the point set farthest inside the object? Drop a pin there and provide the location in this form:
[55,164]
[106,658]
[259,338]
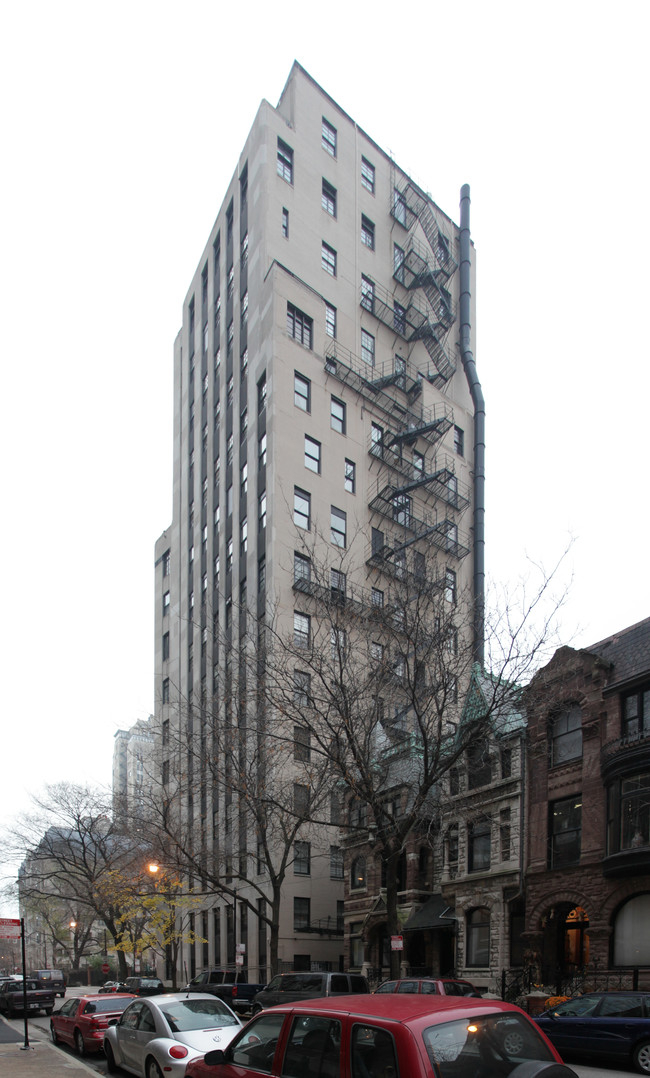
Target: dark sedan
[611,1026]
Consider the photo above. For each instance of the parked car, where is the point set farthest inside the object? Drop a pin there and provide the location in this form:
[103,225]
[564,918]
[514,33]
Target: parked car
[143,986]
[82,1022]
[612,1026]
[289,987]
[442,986]
[160,1035]
[50,978]
[111,986]
[14,994]
[371,1036]
[230,985]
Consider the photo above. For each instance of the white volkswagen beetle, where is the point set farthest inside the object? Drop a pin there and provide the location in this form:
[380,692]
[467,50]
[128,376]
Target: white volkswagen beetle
[159,1035]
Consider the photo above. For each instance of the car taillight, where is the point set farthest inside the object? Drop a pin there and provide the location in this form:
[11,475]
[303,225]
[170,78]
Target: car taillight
[178,1051]
[234,990]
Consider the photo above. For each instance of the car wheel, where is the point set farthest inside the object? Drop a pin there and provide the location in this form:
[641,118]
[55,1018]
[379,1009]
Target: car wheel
[641,1057]
[53,1034]
[79,1043]
[152,1070]
[111,1065]
[513,1043]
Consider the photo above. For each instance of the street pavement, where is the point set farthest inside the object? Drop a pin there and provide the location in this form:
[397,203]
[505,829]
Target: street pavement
[43,1060]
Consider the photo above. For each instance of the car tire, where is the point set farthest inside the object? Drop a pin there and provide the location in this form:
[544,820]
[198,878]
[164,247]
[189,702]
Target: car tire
[79,1043]
[53,1034]
[641,1057]
[111,1065]
[151,1069]
[513,1043]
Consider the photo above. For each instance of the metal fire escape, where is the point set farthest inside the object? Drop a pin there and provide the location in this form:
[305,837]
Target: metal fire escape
[427,268]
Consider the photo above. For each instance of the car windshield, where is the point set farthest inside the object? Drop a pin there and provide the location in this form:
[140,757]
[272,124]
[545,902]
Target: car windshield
[485,1043]
[186,1014]
[577,1008]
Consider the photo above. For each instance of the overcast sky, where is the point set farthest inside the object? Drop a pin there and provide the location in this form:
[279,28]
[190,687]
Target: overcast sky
[121,126]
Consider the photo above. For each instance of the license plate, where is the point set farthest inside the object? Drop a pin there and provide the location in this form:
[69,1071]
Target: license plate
[33,1006]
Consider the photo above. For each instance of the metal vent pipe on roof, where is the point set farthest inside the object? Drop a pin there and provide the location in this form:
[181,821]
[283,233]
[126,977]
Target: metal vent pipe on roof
[469,366]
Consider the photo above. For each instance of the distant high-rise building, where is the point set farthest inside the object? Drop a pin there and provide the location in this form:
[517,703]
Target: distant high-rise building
[132,768]
[324,386]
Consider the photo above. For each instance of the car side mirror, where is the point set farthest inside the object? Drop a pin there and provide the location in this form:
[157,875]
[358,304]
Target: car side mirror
[113,1021]
[215,1057]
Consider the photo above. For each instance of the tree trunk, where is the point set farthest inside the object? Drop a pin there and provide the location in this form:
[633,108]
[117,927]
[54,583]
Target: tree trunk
[392,920]
[275,932]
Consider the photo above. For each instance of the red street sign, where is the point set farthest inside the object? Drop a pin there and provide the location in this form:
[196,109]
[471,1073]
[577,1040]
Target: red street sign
[396,943]
[105,967]
[10,928]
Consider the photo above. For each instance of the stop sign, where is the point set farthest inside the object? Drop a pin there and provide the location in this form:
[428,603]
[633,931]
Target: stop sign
[106,968]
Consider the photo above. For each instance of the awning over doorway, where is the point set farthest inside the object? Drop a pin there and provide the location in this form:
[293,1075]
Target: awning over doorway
[435,913]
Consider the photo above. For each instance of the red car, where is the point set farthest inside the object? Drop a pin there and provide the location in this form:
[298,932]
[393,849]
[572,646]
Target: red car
[387,1036]
[82,1022]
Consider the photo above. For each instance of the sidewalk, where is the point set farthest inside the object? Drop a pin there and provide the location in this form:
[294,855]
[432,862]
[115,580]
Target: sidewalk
[39,1060]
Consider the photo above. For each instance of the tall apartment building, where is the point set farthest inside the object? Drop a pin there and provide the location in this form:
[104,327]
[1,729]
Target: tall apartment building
[323,384]
[132,767]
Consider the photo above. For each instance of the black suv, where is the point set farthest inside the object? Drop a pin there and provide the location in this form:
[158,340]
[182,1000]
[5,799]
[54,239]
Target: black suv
[144,986]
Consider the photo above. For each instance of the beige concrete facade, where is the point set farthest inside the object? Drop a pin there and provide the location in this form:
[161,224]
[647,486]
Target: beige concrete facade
[320,237]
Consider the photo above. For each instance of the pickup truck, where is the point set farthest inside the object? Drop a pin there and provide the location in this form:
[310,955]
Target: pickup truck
[12,1000]
[229,985]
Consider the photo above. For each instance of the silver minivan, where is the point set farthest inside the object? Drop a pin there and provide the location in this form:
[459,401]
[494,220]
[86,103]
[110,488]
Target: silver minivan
[291,987]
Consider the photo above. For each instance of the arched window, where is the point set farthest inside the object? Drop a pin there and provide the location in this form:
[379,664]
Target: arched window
[478,937]
[631,936]
[358,874]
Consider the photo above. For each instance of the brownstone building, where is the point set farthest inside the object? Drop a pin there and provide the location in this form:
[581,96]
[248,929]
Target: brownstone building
[587,875]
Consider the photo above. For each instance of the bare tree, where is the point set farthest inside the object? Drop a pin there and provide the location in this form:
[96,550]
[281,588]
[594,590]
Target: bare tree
[77,861]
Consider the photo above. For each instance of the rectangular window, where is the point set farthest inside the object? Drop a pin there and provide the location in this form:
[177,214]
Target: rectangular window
[565,735]
[328,198]
[261,393]
[301,508]
[261,451]
[243,536]
[336,863]
[165,647]
[367,294]
[301,392]
[244,308]
[338,643]
[261,511]
[302,698]
[399,318]
[243,424]
[478,846]
[367,232]
[328,259]
[504,834]
[459,441]
[285,222]
[312,454]
[398,263]
[301,858]
[350,476]
[367,348]
[229,555]
[299,326]
[165,603]
[399,207]
[367,175]
[301,568]
[337,415]
[565,832]
[328,137]
[450,586]
[377,598]
[261,573]
[166,563]
[330,320]
[165,691]
[301,916]
[301,629]
[338,527]
[338,584]
[243,479]
[285,161]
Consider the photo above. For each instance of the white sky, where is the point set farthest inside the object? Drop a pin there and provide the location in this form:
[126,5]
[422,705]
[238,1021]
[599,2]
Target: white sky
[121,126]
